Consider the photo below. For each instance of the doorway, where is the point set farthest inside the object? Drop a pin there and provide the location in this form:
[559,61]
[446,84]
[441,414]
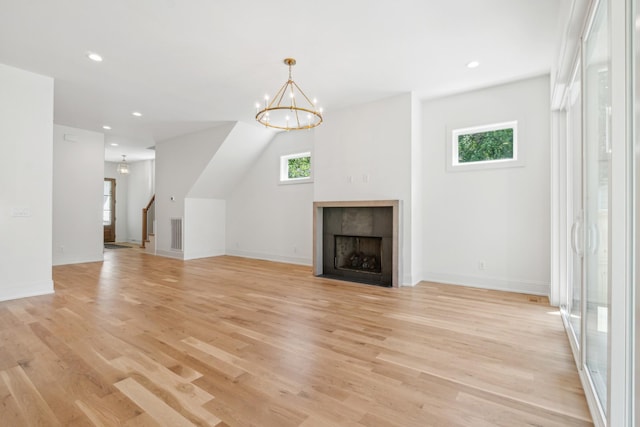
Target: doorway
[109,210]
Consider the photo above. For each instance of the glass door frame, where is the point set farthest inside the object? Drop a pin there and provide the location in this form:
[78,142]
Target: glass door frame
[590,271]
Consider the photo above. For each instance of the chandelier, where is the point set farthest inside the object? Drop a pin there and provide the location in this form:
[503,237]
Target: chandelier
[123,168]
[290,108]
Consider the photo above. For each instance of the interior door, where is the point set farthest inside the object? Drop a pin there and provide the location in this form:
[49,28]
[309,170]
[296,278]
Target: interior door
[109,210]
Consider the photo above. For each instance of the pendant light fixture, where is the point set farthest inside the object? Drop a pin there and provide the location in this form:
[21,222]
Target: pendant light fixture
[290,108]
[123,168]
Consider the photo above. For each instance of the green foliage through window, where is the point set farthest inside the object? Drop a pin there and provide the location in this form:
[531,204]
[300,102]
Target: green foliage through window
[485,146]
[299,167]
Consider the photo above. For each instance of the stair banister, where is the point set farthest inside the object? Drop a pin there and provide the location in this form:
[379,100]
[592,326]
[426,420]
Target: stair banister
[145,213]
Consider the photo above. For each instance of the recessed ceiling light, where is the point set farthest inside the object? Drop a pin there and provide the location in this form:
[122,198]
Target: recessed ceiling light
[137,114]
[113,144]
[94,56]
[106,127]
[473,64]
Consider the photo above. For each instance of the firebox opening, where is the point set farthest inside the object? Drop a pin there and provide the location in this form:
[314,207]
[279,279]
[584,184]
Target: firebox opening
[358,253]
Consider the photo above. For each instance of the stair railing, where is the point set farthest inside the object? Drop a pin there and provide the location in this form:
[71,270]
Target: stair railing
[145,221]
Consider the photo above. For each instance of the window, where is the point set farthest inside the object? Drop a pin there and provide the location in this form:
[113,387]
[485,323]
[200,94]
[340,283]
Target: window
[488,146]
[295,168]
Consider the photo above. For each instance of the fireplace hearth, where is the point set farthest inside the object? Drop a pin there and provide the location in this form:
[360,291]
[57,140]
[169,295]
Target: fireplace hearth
[357,241]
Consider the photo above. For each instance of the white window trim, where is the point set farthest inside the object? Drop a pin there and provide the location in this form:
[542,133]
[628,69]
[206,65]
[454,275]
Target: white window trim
[284,169]
[452,149]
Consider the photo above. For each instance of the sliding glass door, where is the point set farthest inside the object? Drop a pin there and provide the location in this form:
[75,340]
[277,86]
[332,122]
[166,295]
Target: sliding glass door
[597,160]
[602,300]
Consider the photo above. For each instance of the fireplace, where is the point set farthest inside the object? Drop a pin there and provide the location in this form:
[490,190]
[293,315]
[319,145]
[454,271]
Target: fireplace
[358,253]
[357,241]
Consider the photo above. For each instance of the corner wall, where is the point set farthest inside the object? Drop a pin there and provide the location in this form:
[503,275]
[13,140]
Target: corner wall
[26,134]
[498,219]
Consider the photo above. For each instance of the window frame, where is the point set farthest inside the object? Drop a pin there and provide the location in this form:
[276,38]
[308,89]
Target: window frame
[453,163]
[284,168]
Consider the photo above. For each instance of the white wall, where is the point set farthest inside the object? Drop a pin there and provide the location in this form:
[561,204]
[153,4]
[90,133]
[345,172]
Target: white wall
[141,186]
[267,220]
[417,193]
[204,228]
[122,197]
[26,129]
[496,216]
[364,153]
[78,177]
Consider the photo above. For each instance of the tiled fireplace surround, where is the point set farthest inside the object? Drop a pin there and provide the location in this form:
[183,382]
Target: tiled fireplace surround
[362,227]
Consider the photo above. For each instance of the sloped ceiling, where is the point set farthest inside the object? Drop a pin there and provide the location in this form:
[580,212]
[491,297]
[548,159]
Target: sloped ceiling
[241,147]
[188,64]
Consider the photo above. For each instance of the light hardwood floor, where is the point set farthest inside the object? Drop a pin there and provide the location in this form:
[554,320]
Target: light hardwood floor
[142,341]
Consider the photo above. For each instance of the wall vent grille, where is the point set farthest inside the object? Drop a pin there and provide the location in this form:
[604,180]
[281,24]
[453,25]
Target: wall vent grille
[176,234]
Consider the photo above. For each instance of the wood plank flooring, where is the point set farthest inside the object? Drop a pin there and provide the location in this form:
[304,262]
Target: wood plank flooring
[141,340]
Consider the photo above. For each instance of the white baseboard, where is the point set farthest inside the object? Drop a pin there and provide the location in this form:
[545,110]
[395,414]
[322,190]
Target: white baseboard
[75,260]
[204,255]
[170,254]
[272,257]
[24,290]
[530,287]
[408,281]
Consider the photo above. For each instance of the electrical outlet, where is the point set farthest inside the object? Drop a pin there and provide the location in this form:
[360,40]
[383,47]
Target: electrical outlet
[20,212]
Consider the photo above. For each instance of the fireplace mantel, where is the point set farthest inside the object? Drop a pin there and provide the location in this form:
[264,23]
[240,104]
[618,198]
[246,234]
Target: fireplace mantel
[318,230]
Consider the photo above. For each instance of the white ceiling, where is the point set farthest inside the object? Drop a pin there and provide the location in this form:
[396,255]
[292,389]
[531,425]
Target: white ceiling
[186,64]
